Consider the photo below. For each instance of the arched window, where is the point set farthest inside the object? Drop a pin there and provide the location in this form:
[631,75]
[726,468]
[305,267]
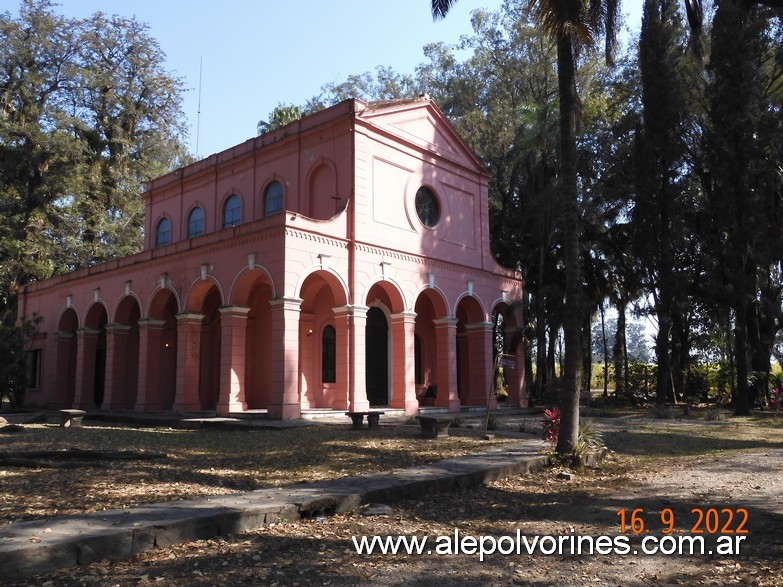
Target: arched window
[273,198]
[196,223]
[328,355]
[163,233]
[232,211]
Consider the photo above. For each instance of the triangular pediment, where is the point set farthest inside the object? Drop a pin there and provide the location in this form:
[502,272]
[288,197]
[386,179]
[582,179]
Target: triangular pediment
[421,123]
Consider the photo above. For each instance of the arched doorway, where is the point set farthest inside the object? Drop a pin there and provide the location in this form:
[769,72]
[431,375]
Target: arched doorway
[320,387]
[66,358]
[161,362]
[125,351]
[508,339]
[472,354]
[209,373]
[377,357]
[436,382]
[254,291]
[94,379]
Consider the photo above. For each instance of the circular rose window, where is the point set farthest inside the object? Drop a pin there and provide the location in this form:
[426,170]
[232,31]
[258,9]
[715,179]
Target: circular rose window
[427,207]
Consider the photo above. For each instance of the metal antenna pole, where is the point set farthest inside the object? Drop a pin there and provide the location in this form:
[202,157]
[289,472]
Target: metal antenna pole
[198,115]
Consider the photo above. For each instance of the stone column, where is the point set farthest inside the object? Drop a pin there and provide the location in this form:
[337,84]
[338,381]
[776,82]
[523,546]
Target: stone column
[115,397]
[148,398]
[480,364]
[404,353]
[342,331]
[233,344]
[186,398]
[357,349]
[446,363]
[86,347]
[284,400]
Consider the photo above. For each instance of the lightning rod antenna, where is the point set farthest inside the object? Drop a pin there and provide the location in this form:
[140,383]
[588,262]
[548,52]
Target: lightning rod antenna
[198,115]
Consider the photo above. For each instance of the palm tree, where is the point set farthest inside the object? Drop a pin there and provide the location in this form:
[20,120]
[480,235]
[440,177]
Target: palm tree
[279,117]
[572,24]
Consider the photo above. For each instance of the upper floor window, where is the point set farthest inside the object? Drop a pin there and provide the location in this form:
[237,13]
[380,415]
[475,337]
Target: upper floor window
[232,211]
[427,207]
[163,233]
[273,198]
[196,223]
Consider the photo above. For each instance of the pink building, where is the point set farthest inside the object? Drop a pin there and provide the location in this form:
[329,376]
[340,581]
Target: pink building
[339,262]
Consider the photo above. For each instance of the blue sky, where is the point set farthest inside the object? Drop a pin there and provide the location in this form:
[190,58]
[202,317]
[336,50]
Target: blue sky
[259,53]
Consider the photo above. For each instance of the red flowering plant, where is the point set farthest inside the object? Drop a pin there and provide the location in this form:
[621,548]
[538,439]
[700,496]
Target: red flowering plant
[774,400]
[551,425]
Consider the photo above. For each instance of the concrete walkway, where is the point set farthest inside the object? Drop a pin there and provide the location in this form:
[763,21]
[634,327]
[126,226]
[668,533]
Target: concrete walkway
[41,546]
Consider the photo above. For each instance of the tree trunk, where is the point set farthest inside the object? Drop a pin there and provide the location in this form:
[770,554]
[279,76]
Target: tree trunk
[541,366]
[606,352]
[741,399]
[662,355]
[572,317]
[680,351]
[619,351]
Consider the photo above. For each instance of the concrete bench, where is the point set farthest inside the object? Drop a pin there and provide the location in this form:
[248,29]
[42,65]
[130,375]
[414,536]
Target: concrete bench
[71,418]
[435,425]
[373,419]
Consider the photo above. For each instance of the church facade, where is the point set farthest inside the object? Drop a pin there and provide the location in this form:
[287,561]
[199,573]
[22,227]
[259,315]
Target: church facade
[339,262]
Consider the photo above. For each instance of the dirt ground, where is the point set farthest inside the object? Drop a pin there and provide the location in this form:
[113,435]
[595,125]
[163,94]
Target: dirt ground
[681,476]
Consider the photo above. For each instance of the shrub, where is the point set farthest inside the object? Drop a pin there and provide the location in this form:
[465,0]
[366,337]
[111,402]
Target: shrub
[551,425]
[589,434]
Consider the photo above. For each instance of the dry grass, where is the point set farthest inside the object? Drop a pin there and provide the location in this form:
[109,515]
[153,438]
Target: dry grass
[652,456]
[202,462]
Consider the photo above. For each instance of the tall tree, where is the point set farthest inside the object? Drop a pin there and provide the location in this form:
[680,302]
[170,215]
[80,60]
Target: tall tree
[126,116]
[662,176]
[572,24]
[87,115]
[38,154]
[743,158]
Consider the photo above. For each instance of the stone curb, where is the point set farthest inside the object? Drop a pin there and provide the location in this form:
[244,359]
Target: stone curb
[42,546]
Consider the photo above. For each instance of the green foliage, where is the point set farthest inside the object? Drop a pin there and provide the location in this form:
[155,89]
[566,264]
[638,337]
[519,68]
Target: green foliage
[279,117]
[15,340]
[638,341]
[590,436]
[382,84]
[87,115]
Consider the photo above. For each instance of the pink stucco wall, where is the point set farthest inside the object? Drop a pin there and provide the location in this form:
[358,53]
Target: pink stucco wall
[235,319]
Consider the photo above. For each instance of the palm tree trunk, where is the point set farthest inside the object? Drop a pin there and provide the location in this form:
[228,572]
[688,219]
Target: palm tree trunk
[606,351]
[572,322]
